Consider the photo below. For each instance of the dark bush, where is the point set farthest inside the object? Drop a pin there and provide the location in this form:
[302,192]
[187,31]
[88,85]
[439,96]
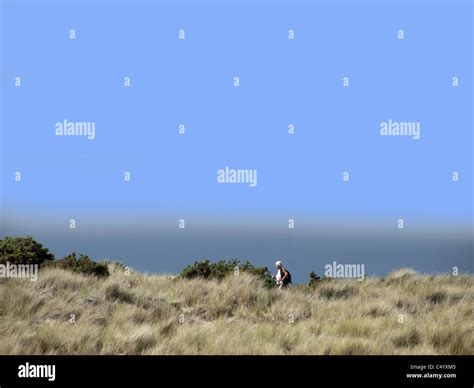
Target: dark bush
[23,250]
[219,270]
[314,279]
[81,264]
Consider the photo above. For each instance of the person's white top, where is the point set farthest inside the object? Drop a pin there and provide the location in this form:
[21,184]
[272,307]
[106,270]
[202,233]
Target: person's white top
[278,276]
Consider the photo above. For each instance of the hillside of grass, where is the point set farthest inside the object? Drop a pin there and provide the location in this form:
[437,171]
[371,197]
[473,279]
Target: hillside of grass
[132,313]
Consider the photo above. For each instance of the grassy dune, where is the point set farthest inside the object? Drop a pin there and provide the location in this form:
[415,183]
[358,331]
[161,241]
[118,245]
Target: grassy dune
[67,313]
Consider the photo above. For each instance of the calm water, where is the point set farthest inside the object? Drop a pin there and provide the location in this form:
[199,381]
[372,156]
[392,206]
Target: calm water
[155,248]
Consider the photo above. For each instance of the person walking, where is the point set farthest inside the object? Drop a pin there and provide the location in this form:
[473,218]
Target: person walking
[283,276]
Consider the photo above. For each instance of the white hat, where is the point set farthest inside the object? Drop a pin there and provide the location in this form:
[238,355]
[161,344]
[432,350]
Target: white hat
[278,263]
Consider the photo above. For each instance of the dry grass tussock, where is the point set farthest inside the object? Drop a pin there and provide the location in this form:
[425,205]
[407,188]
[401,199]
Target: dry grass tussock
[403,313]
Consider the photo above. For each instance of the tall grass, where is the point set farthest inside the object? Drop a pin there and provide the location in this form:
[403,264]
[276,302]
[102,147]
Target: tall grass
[68,313]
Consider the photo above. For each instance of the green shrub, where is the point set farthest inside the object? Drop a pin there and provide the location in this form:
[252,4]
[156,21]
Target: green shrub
[23,250]
[219,270]
[81,264]
[314,279]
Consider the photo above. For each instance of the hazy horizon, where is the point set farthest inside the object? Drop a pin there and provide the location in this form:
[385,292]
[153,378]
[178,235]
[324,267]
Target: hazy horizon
[159,246]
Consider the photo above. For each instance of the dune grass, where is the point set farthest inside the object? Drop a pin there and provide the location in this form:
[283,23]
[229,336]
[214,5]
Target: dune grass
[68,313]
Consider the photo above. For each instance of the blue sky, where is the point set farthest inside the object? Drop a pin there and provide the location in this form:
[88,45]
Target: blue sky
[283,82]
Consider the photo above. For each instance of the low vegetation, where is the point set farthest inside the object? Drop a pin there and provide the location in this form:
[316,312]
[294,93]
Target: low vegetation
[79,306]
[64,312]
